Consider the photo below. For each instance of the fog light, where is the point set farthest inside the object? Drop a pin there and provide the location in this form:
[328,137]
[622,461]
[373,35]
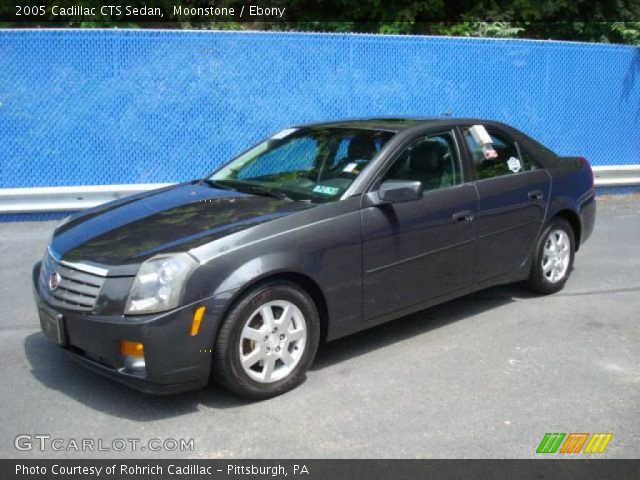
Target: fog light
[132,355]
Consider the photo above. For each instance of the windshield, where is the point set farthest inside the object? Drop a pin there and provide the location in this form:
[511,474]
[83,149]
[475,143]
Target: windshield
[314,164]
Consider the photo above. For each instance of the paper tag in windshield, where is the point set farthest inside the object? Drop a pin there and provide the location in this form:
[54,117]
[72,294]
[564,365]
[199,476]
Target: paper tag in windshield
[350,167]
[283,134]
[326,190]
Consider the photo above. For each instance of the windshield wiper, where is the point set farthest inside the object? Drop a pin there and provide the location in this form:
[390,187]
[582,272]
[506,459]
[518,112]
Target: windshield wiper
[265,192]
[248,188]
[214,184]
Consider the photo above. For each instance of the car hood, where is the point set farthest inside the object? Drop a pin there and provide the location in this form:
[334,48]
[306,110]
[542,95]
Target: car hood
[177,218]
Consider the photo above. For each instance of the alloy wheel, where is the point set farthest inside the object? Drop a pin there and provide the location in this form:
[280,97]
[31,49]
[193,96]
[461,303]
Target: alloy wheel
[272,341]
[556,256]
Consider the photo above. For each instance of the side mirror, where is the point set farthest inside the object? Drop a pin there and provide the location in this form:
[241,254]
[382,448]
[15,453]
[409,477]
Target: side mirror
[396,191]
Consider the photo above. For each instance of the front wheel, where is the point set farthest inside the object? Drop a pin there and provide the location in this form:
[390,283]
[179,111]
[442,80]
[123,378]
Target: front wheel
[267,341]
[553,258]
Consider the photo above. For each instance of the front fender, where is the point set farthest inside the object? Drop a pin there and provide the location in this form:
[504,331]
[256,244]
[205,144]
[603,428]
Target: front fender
[326,250]
[256,269]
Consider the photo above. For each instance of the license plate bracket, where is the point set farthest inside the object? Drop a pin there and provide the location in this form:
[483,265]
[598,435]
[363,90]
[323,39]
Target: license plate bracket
[53,326]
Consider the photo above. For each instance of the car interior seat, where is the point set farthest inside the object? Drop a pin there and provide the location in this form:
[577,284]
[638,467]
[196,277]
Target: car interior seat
[361,148]
[428,163]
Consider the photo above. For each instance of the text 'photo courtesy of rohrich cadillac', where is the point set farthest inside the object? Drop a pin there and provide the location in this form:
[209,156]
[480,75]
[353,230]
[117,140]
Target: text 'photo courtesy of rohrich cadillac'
[168,469]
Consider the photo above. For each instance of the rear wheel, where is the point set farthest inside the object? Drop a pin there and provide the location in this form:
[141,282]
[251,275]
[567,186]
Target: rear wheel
[267,341]
[553,258]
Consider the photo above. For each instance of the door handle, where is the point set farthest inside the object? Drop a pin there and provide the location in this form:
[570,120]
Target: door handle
[535,195]
[465,216]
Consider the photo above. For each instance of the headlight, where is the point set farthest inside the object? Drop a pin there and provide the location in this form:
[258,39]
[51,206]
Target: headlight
[159,282]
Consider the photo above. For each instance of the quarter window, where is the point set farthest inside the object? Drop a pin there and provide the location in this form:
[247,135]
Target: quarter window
[430,159]
[528,160]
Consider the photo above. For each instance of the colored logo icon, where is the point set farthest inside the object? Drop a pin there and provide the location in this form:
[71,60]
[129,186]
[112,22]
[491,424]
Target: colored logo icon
[573,443]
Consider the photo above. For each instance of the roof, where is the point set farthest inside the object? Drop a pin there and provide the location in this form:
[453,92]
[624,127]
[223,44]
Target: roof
[394,124]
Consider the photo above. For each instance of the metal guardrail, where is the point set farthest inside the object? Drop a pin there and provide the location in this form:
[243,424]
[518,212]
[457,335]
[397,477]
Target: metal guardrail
[618,176]
[68,199]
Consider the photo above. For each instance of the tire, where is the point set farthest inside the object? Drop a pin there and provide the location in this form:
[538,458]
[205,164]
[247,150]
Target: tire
[546,276]
[282,348]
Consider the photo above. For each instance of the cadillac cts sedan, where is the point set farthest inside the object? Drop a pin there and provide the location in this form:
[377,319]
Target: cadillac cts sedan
[315,233]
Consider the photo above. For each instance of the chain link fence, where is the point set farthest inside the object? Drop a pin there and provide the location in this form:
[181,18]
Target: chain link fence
[100,107]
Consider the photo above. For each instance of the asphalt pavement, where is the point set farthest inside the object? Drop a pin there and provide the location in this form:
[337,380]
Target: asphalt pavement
[483,376]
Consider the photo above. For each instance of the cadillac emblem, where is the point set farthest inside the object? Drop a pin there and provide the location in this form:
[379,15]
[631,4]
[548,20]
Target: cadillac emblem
[54,281]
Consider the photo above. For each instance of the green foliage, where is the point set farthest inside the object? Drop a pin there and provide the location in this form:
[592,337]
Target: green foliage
[629,32]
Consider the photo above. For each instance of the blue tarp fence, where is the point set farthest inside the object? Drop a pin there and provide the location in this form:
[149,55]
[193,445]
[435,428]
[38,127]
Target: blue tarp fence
[85,107]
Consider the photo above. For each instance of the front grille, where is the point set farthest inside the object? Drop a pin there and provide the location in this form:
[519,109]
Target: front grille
[77,289]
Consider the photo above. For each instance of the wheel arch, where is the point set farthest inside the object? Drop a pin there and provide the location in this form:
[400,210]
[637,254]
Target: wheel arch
[574,220]
[305,282]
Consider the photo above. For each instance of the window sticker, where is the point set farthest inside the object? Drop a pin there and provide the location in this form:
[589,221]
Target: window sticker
[514,164]
[489,152]
[350,167]
[480,135]
[484,141]
[284,133]
[326,190]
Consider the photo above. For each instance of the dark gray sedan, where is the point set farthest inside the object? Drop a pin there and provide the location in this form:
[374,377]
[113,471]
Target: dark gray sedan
[313,234]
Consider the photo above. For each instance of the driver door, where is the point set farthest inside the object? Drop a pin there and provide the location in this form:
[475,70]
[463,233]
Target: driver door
[419,250]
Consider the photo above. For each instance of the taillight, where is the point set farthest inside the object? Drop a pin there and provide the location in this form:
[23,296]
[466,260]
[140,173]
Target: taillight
[585,163]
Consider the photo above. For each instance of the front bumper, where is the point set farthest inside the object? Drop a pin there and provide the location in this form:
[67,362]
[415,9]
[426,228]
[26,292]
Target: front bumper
[175,361]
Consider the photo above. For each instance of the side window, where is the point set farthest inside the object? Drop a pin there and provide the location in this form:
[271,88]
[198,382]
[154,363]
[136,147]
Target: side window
[504,160]
[430,159]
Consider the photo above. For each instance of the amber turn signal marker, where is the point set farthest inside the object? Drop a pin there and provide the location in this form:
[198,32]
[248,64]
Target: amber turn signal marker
[133,349]
[197,320]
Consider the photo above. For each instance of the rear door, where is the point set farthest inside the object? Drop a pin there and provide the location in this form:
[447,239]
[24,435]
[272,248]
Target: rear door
[513,192]
[419,250]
